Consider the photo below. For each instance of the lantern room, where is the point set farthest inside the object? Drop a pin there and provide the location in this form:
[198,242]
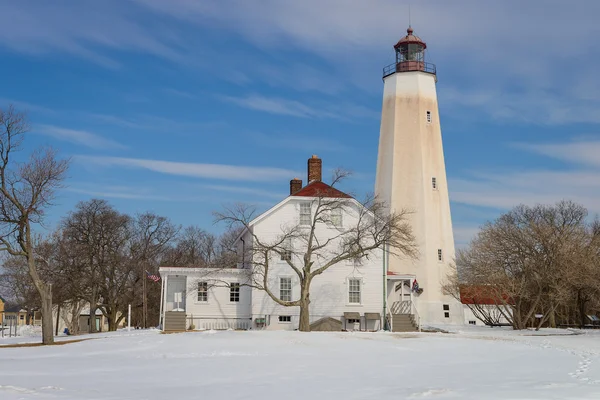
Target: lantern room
[410,56]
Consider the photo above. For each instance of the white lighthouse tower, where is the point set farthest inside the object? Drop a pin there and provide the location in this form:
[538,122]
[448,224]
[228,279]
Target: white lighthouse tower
[411,175]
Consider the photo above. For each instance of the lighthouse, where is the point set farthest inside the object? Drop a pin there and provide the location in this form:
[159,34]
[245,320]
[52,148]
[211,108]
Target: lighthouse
[411,175]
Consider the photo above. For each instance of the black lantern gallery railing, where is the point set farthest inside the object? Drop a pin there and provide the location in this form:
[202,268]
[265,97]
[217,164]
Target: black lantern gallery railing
[406,66]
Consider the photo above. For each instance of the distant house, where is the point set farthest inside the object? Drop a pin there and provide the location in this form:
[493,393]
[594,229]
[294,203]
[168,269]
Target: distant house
[348,295]
[83,322]
[15,315]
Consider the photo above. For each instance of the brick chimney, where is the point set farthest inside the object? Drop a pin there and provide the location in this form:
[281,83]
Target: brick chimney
[314,169]
[295,185]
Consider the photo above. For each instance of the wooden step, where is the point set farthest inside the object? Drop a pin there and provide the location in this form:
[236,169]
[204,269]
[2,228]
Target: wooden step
[174,321]
[403,323]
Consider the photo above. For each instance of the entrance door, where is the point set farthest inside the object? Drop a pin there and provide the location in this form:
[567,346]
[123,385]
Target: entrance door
[403,291]
[176,286]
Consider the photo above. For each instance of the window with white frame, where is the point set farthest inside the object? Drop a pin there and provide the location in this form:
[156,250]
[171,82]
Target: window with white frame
[434,183]
[440,257]
[286,254]
[336,217]
[354,291]
[305,210]
[285,318]
[285,289]
[203,291]
[428,117]
[234,292]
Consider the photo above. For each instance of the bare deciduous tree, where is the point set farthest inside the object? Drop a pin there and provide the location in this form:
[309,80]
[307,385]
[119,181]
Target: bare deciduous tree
[310,248]
[26,190]
[528,260]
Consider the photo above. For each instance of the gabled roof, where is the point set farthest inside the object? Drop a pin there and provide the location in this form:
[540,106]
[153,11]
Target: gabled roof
[2,299]
[14,309]
[320,189]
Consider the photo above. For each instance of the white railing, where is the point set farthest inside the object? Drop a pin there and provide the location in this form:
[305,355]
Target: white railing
[416,314]
[402,307]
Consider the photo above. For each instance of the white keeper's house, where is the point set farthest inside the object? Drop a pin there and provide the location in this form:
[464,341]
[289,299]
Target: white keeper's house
[347,295]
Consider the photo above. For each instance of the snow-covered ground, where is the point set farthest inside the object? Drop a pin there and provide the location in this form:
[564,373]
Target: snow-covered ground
[471,363]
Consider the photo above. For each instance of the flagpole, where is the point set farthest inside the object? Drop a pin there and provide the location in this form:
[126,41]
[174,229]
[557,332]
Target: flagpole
[144,310]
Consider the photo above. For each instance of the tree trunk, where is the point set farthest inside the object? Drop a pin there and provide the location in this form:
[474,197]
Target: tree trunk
[112,319]
[93,308]
[92,320]
[552,317]
[46,294]
[57,318]
[581,304]
[304,324]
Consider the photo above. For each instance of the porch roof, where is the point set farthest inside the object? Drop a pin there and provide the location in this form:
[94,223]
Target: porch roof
[395,276]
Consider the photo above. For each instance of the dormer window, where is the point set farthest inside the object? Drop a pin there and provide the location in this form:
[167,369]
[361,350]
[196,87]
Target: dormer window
[305,217]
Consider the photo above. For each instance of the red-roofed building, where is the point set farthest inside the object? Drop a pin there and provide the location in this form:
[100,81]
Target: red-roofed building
[482,305]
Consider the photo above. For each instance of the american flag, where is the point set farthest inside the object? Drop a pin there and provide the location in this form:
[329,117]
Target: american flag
[152,277]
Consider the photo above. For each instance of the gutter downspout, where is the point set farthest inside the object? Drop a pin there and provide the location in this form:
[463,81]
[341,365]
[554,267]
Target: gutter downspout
[243,252]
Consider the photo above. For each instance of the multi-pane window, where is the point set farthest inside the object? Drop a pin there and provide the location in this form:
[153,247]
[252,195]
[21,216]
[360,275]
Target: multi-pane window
[472,322]
[285,289]
[336,217]
[285,318]
[286,254]
[234,292]
[305,218]
[428,116]
[203,291]
[434,182]
[354,291]
[440,255]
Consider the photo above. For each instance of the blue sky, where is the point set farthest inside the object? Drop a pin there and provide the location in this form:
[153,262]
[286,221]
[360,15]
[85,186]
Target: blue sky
[180,106]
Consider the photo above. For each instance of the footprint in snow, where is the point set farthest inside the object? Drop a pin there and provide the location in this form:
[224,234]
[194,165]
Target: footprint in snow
[431,393]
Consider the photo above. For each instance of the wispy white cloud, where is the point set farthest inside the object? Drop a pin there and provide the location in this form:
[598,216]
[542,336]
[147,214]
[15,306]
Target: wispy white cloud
[281,106]
[532,106]
[585,152]
[26,106]
[81,137]
[505,190]
[208,171]
[80,29]
[294,141]
[278,106]
[464,234]
[246,191]
[127,194]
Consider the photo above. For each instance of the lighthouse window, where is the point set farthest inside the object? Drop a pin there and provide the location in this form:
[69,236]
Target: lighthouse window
[428,116]
[434,182]
[439,254]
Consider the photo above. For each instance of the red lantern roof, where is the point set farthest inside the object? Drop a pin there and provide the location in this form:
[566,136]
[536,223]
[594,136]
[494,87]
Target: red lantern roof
[410,39]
